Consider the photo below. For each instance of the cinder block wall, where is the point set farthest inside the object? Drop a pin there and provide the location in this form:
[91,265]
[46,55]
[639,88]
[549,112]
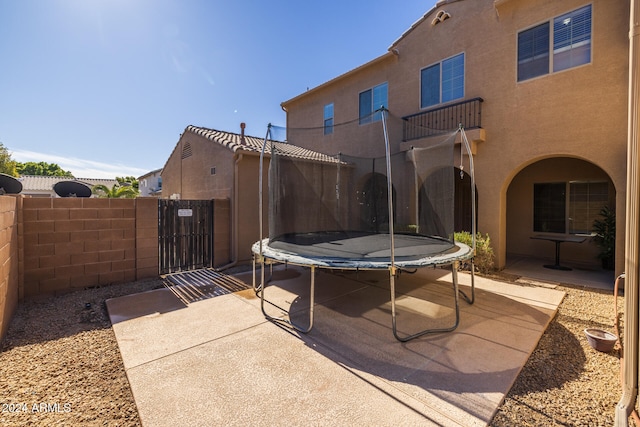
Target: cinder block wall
[57,245]
[147,260]
[9,259]
[73,243]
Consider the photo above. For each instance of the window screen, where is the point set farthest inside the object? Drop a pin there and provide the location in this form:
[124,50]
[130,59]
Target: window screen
[453,78]
[533,52]
[442,82]
[372,100]
[572,39]
[328,119]
[549,207]
[586,199]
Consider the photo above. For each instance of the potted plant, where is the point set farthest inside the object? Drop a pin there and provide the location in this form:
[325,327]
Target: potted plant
[605,237]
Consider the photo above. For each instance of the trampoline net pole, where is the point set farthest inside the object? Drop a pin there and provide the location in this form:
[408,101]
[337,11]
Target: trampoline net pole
[467,147]
[389,189]
[260,183]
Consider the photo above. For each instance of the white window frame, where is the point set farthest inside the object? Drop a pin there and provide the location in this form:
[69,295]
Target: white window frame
[440,65]
[370,117]
[552,53]
[328,114]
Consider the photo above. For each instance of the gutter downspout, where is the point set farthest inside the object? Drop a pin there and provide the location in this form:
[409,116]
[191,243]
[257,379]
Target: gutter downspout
[234,215]
[632,243]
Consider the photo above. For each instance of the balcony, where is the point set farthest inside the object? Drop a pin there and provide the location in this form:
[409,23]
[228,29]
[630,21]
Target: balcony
[449,117]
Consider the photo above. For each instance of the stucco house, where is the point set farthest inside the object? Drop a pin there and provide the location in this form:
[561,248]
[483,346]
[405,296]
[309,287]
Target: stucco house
[211,164]
[541,89]
[42,186]
[150,184]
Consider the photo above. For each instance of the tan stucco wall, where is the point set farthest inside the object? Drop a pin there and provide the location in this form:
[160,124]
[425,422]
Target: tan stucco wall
[191,177]
[221,232]
[248,203]
[236,179]
[580,112]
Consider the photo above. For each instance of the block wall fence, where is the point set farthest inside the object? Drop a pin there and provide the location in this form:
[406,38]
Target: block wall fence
[71,243]
[9,260]
[57,245]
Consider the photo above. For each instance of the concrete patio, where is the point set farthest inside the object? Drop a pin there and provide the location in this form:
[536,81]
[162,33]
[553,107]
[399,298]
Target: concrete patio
[217,361]
[533,268]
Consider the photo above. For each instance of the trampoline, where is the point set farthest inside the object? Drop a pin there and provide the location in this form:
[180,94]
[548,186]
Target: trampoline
[394,212]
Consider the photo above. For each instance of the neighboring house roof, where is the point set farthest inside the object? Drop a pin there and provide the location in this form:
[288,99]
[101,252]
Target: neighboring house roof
[236,142]
[151,173]
[150,184]
[35,183]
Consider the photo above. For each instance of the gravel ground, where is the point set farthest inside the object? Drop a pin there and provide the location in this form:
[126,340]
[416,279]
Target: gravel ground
[565,382]
[60,365]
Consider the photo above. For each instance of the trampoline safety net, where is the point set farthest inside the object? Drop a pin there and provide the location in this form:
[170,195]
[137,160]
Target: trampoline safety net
[338,206]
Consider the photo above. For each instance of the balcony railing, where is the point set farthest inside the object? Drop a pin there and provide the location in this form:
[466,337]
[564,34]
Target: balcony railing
[430,122]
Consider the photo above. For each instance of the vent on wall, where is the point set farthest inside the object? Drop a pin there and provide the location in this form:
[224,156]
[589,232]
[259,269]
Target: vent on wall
[440,17]
[186,150]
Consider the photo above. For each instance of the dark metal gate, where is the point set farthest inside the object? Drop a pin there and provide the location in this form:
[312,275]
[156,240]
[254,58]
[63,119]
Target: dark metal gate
[185,234]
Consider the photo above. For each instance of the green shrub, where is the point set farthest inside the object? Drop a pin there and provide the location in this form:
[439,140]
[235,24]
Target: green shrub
[484,258]
[605,237]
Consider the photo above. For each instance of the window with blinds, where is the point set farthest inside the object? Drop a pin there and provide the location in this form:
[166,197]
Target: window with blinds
[570,38]
[533,52]
[585,202]
[562,207]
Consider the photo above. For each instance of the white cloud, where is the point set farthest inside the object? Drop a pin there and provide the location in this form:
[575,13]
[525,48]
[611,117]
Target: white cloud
[80,168]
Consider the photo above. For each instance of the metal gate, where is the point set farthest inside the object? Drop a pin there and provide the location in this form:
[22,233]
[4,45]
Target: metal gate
[185,234]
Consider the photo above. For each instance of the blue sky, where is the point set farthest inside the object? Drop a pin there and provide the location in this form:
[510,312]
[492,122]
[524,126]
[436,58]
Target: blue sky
[104,88]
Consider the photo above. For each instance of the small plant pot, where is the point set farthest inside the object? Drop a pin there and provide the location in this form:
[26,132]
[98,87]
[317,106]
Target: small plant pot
[601,340]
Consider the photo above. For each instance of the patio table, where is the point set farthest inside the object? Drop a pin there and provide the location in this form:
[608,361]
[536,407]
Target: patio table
[557,240]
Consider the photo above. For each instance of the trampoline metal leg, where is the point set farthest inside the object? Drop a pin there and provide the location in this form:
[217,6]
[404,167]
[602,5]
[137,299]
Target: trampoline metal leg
[472,298]
[454,274]
[289,322]
[255,289]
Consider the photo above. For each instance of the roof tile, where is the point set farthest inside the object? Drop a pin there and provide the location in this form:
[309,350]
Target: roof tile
[236,142]
[46,183]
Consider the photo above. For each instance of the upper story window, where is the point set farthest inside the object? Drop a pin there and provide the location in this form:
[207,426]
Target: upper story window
[442,82]
[328,119]
[571,44]
[572,39]
[372,100]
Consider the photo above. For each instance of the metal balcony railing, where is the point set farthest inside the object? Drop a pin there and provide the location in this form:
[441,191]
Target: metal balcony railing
[449,117]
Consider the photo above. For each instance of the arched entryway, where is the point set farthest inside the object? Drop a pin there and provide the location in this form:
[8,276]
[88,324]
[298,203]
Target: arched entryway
[463,205]
[462,208]
[374,202]
[556,198]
